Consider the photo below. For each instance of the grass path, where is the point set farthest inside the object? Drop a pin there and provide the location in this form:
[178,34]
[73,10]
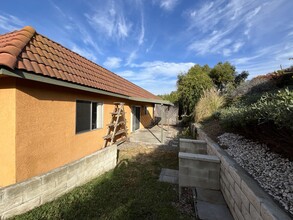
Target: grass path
[130,191]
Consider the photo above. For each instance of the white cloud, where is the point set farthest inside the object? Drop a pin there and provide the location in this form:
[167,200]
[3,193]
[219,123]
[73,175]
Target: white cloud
[219,21]
[159,77]
[142,31]
[113,62]
[266,60]
[167,5]
[9,22]
[132,56]
[110,20]
[84,52]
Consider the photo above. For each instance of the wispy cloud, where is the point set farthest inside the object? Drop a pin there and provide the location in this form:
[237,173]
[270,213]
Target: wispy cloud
[10,22]
[113,62]
[85,53]
[110,20]
[132,56]
[167,5]
[219,21]
[267,59]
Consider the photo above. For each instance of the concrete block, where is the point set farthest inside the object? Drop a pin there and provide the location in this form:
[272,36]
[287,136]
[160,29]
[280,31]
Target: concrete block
[199,157]
[234,175]
[193,171]
[238,192]
[9,203]
[25,207]
[50,195]
[245,212]
[224,179]
[193,146]
[270,211]
[245,201]
[238,213]
[17,190]
[230,179]
[250,195]
[49,180]
[75,168]
[254,213]
[229,199]
[1,197]
[190,181]
[61,176]
[236,198]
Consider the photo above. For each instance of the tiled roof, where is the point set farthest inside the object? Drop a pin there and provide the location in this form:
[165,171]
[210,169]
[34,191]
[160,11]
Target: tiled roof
[27,50]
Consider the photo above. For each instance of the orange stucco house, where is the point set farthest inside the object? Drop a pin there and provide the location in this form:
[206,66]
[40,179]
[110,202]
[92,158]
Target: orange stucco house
[55,105]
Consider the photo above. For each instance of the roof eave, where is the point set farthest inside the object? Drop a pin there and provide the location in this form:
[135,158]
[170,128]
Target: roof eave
[48,80]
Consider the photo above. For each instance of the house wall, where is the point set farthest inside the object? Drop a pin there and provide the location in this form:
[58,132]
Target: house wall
[45,127]
[7,131]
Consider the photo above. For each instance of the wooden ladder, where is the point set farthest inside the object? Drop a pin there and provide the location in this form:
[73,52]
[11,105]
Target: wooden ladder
[117,127]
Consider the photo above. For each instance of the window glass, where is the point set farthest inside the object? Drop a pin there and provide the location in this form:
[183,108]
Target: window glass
[89,116]
[83,116]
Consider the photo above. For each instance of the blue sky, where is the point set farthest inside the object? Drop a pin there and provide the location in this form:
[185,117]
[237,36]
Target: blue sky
[150,42]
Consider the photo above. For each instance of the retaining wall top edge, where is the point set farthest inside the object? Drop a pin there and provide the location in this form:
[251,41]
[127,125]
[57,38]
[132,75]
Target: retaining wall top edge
[203,157]
[192,141]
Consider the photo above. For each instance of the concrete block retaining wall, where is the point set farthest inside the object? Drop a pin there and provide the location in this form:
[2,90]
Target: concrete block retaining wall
[245,198]
[193,146]
[22,197]
[199,170]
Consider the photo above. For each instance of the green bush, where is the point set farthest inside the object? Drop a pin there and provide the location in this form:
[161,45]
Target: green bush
[208,104]
[271,107]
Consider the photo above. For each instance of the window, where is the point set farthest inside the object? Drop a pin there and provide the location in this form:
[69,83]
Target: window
[145,110]
[89,116]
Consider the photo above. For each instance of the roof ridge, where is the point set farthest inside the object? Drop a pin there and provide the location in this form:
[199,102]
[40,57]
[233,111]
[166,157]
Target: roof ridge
[10,50]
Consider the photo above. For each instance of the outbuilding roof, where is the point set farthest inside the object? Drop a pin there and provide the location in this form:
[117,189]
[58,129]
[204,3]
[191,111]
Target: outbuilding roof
[29,51]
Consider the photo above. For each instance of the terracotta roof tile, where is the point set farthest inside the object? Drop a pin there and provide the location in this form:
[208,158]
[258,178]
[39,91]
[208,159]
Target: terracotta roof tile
[29,51]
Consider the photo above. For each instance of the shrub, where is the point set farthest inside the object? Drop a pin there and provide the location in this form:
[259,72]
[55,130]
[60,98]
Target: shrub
[208,104]
[271,107]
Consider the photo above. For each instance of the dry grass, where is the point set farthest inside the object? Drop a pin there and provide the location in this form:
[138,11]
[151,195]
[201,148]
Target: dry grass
[208,104]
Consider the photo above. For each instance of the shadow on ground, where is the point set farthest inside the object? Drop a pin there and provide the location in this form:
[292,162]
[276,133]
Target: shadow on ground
[130,191]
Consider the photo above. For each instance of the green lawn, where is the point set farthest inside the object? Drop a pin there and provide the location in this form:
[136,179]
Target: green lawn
[130,191]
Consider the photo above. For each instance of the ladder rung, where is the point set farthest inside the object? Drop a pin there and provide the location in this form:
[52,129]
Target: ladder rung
[120,132]
[110,125]
[120,141]
[107,136]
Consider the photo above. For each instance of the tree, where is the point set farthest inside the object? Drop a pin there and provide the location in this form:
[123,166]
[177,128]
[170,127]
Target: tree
[222,74]
[191,85]
[172,97]
[240,78]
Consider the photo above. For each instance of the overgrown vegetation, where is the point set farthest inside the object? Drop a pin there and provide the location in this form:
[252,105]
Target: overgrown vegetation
[273,107]
[191,85]
[261,108]
[209,103]
[130,191]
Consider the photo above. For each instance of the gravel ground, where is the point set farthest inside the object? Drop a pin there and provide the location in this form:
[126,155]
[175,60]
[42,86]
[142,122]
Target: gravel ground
[273,172]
